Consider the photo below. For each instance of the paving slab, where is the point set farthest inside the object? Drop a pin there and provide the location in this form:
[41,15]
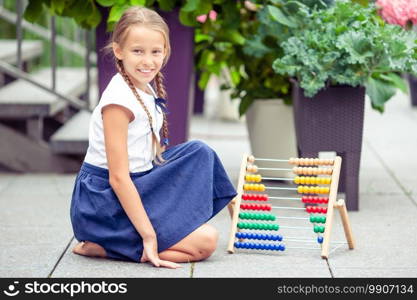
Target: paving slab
[35,227]
[73,265]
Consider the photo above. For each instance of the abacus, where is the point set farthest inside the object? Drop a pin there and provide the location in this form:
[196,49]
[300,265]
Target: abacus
[317,183]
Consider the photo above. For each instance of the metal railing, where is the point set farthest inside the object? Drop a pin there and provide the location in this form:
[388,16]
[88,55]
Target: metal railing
[18,72]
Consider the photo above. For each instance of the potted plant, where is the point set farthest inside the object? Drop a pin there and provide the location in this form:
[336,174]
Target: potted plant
[241,49]
[335,57]
[404,14]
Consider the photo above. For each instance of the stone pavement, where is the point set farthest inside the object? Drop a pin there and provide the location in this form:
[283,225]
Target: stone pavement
[36,235]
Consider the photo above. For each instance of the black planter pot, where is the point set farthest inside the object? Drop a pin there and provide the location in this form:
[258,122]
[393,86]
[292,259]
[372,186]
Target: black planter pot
[333,121]
[413,89]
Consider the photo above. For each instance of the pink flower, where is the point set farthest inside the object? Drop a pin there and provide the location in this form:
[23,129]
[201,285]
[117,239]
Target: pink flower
[398,12]
[212,15]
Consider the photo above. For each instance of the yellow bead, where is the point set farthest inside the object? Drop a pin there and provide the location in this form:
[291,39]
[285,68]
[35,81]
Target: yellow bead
[300,189]
[262,188]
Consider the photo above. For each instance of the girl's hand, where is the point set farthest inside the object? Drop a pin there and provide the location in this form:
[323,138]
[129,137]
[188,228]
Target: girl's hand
[150,254]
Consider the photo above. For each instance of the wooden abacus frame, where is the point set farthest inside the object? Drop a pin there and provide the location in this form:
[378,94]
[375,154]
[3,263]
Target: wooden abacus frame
[234,209]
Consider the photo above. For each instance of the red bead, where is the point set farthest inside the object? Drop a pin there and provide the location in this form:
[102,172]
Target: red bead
[244,197]
[308,209]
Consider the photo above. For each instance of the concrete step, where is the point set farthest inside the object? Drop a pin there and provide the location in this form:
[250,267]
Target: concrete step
[22,100]
[72,137]
[30,50]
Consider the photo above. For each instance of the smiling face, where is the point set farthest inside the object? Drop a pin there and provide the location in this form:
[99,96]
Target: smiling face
[142,53]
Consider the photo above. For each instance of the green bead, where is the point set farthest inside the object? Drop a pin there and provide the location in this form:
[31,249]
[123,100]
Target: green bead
[311,218]
[316,229]
[324,219]
[322,229]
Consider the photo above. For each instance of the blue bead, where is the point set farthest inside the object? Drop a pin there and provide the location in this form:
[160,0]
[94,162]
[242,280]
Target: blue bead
[238,235]
[282,247]
[237,245]
[320,239]
[279,237]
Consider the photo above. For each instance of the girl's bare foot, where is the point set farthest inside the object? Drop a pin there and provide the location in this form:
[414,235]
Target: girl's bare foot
[89,249]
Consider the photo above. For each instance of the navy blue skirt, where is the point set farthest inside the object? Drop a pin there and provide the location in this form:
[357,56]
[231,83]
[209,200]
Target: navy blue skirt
[179,196]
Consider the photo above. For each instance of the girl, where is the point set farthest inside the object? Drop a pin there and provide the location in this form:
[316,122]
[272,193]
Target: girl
[132,200]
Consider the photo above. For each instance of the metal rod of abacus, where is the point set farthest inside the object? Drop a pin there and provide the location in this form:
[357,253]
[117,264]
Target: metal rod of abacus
[295,227]
[275,169]
[293,218]
[307,248]
[272,159]
[277,178]
[291,239]
[284,198]
[279,188]
[288,207]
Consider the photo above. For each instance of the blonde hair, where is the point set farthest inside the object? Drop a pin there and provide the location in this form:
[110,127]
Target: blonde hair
[136,15]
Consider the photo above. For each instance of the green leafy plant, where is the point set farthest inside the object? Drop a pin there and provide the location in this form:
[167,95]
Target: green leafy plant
[349,44]
[245,42]
[87,13]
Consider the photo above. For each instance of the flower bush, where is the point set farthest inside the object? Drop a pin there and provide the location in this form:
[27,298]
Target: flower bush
[400,12]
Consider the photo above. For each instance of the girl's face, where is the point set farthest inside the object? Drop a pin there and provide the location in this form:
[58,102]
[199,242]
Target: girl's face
[142,54]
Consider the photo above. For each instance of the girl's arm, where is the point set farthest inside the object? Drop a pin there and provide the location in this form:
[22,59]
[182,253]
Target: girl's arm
[115,122]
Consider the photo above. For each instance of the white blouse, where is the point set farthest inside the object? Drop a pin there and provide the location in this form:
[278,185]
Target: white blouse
[139,138]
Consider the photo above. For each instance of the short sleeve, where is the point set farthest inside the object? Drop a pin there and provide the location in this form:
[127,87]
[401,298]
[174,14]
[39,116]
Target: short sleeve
[119,93]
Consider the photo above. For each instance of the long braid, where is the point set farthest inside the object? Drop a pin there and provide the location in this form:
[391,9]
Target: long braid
[160,89]
[122,71]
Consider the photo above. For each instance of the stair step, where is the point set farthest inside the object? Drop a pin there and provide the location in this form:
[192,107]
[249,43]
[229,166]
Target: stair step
[72,137]
[30,50]
[21,99]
